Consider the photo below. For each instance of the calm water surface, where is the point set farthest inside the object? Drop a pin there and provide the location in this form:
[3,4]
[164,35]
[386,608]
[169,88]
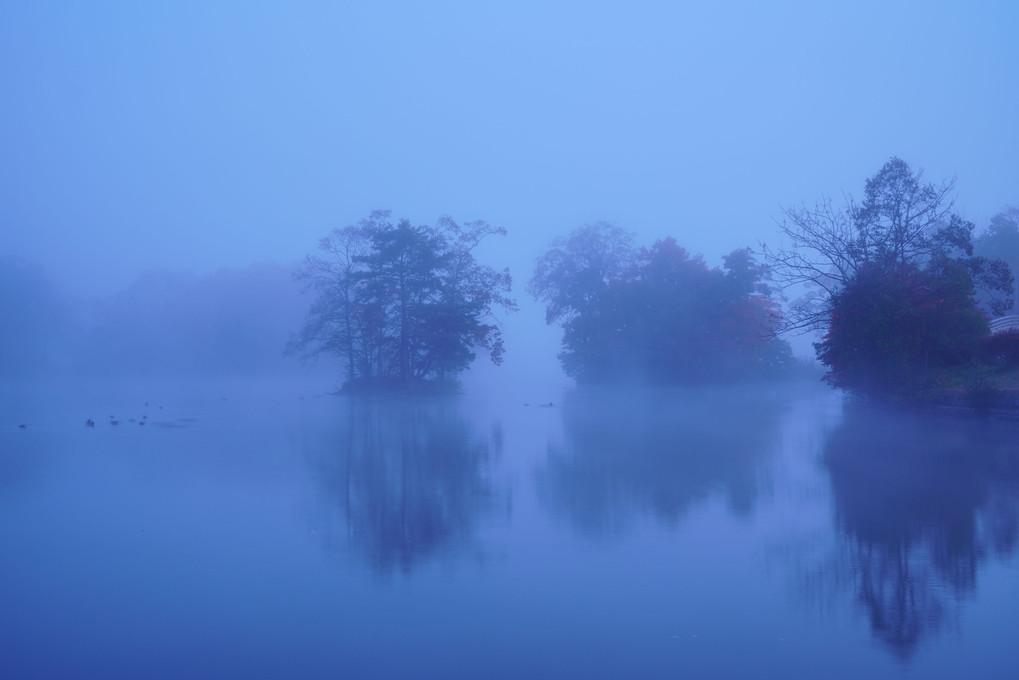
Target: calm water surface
[259,529]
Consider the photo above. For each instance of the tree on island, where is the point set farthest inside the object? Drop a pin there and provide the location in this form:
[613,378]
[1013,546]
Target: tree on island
[891,283]
[403,307]
[656,314]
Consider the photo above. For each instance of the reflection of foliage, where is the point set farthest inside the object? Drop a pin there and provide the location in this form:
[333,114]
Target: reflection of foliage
[921,503]
[657,452]
[409,479]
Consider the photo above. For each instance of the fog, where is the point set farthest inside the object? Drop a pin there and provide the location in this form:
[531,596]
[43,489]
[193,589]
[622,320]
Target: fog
[230,322]
[192,138]
[180,496]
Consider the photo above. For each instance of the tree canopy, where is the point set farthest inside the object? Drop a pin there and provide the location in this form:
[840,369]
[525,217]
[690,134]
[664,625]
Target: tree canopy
[891,281]
[658,313]
[403,306]
[890,328]
[1000,240]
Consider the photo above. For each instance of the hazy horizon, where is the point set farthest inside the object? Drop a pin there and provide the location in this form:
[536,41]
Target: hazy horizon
[196,137]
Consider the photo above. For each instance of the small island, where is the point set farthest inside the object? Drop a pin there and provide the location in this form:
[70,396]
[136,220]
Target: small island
[404,307]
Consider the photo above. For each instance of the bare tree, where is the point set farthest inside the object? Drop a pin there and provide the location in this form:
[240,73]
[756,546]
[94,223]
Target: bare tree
[901,221]
[331,325]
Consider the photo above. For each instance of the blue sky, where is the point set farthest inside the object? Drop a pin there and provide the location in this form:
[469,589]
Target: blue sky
[194,135]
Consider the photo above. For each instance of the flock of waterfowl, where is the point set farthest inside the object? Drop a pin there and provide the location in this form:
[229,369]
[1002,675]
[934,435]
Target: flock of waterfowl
[112,420]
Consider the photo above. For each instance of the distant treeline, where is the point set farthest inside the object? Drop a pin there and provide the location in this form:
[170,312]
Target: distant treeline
[897,286]
[234,321]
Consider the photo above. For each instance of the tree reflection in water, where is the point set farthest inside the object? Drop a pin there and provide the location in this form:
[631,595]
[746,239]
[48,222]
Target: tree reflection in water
[657,452]
[406,480]
[921,501]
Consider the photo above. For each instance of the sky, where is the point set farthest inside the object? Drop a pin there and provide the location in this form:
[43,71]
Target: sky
[197,135]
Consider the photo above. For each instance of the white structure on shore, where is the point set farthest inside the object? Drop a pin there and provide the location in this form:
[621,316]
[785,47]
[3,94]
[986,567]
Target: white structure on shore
[1005,323]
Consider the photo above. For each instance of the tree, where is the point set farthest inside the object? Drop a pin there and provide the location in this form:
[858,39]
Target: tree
[403,306]
[573,276]
[901,221]
[890,328]
[656,313]
[890,280]
[333,325]
[1000,240]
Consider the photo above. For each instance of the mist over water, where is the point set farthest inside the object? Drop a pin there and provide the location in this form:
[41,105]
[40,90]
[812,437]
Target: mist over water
[179,498]
[196,138]
[253,527]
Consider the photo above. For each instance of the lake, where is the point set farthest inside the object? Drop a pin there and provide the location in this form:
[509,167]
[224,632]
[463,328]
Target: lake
[265,529]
